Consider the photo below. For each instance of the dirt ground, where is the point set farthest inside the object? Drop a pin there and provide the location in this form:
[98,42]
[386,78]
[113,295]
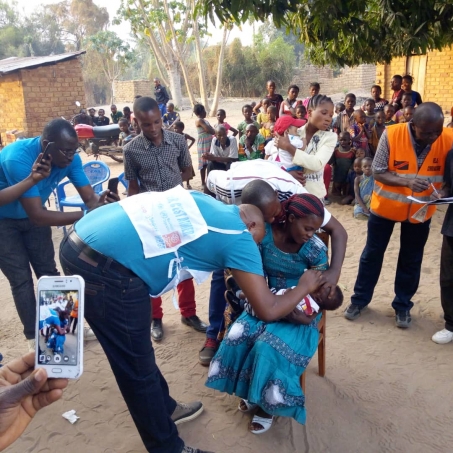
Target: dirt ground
[385,390]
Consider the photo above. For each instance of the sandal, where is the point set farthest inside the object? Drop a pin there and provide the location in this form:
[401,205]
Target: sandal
[266,423]
[250,406]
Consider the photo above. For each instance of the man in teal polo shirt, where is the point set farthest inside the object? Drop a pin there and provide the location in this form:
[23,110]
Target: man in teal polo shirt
[25,233]
[121,269]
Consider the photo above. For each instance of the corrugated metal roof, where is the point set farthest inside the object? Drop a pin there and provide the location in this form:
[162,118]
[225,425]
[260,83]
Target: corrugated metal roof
[12,64]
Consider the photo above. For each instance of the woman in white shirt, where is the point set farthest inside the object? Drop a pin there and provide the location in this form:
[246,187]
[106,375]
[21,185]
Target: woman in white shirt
[318,144]
[224,150]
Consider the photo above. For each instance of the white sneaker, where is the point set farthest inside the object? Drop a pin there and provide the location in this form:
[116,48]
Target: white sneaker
[31,345]
[442,337]
[88,334]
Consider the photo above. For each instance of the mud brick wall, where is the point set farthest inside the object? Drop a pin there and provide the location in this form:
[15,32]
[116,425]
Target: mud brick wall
[362,77]
[126,90]
[30,98]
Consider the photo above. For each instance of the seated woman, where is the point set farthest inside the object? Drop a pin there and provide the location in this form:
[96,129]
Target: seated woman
[262,362]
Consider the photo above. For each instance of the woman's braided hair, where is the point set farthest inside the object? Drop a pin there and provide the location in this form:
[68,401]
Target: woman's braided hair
[301,205]
[317,100]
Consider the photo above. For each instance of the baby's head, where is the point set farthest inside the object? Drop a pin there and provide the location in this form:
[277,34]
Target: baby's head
[321,297]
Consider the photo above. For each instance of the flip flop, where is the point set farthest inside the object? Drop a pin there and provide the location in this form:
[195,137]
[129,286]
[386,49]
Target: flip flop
[250,406]
[266,423]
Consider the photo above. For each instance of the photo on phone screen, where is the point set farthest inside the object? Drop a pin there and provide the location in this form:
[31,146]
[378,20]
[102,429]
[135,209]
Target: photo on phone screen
[58,324]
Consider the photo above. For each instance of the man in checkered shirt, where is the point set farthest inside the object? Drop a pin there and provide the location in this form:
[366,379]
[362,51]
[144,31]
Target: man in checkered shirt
[155,161]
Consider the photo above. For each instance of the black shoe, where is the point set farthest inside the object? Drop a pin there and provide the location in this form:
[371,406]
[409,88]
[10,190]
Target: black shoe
[403,319]
[186,412]
[195,322]
[157,332]
[352,312]
[208,351]
[188,449]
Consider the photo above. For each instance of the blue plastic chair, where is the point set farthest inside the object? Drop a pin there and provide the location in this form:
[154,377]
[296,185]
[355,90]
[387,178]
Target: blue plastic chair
[123,181]
[97,173]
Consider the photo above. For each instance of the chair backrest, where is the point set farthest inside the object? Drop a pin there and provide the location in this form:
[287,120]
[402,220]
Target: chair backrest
[97,172]
[123,181]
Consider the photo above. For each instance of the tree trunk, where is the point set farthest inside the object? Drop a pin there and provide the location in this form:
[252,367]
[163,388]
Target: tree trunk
[175,84]
[192,99]
[200,65]
[218,86]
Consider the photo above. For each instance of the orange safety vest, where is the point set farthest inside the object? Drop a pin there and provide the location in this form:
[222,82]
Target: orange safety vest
[391,202]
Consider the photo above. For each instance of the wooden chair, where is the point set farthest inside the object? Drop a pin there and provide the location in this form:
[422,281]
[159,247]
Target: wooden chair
[321,351]
[322,329]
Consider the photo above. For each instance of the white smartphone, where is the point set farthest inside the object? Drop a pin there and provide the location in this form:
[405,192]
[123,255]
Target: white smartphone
[59,326]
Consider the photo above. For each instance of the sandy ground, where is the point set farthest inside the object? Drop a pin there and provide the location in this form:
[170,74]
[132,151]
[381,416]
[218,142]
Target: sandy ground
[385,390]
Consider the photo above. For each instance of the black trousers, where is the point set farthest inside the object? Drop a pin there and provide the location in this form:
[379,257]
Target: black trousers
[446,281]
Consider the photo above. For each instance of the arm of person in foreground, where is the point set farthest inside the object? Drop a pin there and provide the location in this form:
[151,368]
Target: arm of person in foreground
[338,241]
[268,306]
[23,392]
[39,171]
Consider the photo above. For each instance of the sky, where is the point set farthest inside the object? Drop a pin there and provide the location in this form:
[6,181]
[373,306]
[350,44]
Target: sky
[123,30]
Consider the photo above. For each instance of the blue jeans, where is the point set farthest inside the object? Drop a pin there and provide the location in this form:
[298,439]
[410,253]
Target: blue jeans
[22,245]
[217,304]
[118,309]
[412,243]
[163,109]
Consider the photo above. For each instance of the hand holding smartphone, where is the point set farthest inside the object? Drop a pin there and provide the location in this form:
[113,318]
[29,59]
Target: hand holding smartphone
[59,326]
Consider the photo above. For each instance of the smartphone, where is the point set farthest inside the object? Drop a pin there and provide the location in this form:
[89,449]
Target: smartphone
[59,326]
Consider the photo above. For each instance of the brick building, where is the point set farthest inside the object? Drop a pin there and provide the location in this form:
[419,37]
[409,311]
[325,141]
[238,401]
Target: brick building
[346,79]
[34,90]
[432,73]
[126,90]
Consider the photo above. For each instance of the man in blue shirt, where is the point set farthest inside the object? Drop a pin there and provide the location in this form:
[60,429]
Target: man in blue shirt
[25,233]
[119,279]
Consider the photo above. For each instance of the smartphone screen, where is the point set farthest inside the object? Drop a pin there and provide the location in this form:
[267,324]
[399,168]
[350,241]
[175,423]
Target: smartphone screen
[58,327]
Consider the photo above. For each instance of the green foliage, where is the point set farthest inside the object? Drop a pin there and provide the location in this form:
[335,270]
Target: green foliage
[248,68]
[350,32]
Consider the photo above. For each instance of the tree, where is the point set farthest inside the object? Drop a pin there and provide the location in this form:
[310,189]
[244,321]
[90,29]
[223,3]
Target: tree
[78,19]
[114,55]
[218,86]
[350,32]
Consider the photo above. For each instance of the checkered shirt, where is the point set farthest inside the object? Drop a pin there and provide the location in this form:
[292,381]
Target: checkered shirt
[156,168]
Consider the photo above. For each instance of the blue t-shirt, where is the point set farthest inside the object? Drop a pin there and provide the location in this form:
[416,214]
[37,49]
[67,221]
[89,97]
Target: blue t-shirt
[209,252]
[16,162]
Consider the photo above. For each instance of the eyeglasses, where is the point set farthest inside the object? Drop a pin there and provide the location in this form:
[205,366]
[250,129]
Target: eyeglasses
[65,153]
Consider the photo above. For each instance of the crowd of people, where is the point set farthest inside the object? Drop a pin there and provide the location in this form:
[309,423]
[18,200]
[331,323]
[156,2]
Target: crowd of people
[258,228]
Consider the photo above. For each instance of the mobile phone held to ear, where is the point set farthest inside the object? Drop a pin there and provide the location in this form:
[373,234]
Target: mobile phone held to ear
[59,326]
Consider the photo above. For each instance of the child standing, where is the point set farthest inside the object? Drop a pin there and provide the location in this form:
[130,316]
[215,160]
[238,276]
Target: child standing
[263,117]
[369,107]
[406,101]
[380,103]
[247,112]
[360,131]
[171,116]
[267,127]
[408,113]
[389,111]
[356,170]
[221,115]
[178,127]
[339,107]
[363,188]
[205,133]
[376,132]
[342,160]
[346,118]
[288,107]
[124,128]
[406,86]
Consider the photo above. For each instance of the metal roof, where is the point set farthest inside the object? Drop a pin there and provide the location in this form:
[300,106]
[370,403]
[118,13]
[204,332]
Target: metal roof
[13,64]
